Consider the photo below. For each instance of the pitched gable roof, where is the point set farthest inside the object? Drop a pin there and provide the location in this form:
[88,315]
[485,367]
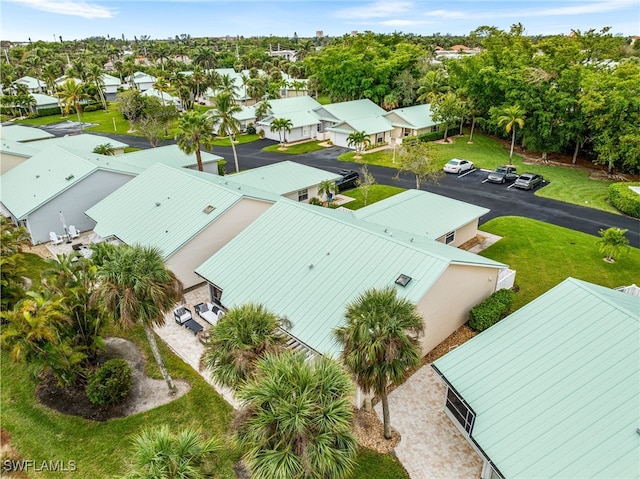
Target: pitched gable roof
[82,142]
[370,125]
[285,106]
[23,133]
[170,155]
[417,117]
[350,110]
[555,386]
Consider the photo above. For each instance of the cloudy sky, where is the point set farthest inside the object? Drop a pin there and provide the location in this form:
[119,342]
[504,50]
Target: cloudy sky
[77,19]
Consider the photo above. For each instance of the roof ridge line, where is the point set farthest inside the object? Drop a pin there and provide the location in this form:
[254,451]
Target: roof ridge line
[581,284]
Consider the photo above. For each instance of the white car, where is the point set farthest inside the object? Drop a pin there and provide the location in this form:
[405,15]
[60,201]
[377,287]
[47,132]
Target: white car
[458,166]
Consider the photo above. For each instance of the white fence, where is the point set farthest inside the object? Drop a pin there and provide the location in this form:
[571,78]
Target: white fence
[506,278]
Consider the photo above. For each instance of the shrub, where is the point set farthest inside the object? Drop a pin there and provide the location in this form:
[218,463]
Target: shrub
[110,384]
[251,130]
[50,111]
[491,310]
[314,200]
[625,199]
[261,133]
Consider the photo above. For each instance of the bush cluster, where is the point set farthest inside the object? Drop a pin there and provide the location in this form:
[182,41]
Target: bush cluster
[625,199]
[491,310]
[110,384]
[251,129]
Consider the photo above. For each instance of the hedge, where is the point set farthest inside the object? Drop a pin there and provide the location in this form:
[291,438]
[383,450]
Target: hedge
[625,199]
[110,384]
[425,137]
[491,310]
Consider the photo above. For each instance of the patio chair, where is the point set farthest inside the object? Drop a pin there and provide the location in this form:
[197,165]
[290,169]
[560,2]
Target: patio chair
[54,238]
[73,232]
[182,315]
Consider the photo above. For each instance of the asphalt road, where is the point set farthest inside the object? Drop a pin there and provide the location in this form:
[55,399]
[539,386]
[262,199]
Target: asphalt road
[502,201]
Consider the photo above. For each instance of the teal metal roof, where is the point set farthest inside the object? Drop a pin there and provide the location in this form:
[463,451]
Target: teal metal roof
[110,80]
[82,142]
[285,106]
[283,177]
[418,116]
[23,133]
[421,213]
[11,147]
[247,113]
[170,155]
[370,125]
[31,82]
[307,263]
[42,100]
[556,385]
[298,119]
[349,110]
[164,207]
[162,95]
[48,173]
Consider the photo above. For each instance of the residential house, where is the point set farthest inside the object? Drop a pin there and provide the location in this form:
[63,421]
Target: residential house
[23,134]
[306,263]
[84,142]
[164,98]
[553,390]
[142,81]
[286,178]
[111,84]
[58,180]
[410,121]
[339,120]
[34,85]
[44,102]
[188,215]
[170,155]
[14,148]
[300,111]
[421,213]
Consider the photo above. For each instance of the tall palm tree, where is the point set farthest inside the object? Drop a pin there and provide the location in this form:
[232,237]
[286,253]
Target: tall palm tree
[71,94]
[161,454]
[94,76]
[262,109]
[511,117]
[432,84]
[241,337]
[358,139]
[161,85]
[380,342]
[195,131]
[226,84]
[135,287]
[282,126]
[224,109]
[204,57]
[297,418]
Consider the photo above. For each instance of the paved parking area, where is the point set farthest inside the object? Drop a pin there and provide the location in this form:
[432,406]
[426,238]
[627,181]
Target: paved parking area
[478,178]
[431,447]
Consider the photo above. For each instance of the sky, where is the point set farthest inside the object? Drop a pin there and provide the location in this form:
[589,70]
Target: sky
[160,19]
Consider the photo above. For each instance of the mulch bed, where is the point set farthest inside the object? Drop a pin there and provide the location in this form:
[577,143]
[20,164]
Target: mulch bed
[369,431]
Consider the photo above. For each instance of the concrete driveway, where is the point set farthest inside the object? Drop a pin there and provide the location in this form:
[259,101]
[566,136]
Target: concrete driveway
[431,446]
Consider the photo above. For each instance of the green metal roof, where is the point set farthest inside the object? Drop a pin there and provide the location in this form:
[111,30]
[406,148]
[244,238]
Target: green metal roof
[421,213]
[81,142]
[110,80]
[164,207]
[307,263]
[42,99]
[370,125]
[283,177]
[170,155]
[23,133]
[11,147]
[418,116]
[31,82]
[50,172]
[285,106]
[349,110]
[556,385]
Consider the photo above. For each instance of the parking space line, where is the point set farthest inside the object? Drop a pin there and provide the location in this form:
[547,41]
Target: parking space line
[465,174]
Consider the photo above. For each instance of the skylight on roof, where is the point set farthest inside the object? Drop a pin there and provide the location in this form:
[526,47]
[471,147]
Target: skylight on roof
[403,280]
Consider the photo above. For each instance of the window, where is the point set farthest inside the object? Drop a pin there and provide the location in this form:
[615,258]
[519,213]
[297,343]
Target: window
[450,237]
[459,410]
[303,195]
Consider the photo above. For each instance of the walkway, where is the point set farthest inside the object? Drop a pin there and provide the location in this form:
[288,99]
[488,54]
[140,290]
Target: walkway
[431,447]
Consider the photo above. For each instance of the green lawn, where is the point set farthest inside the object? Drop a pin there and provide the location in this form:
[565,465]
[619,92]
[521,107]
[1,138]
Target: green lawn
[376,193]
[544,255]
[571,185]
[297,149]
[240,140]
[104,121]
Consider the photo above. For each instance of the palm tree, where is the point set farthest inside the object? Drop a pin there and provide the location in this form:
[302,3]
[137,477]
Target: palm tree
[282,126]
[432,84]
[511,117]
[94,76]
[358,139]
[226,84]
[161,454]
[297,418]
[195,131]
[611,241]
[224,109]
[327,188]
[13,265]
[204,57]
[72,93]
[105,149]
[241,337]
[380,342]
[262,109]
[135,287]
[161,85]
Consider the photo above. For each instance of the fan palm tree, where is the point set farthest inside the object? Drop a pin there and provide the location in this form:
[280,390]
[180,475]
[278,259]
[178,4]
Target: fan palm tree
[358,140]
[611,242]
[105,149]
[195,131]
[135,287]
[224,109]
[511,117]
[262,109]
[380,342]
[282,126]
[327,188]
[71,94]
[241,337]
[297,418]
[94,76]
[161,454]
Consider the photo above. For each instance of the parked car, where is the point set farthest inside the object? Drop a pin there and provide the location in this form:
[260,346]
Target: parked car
[349,180]
[528,181]
[502,174]
[458,166]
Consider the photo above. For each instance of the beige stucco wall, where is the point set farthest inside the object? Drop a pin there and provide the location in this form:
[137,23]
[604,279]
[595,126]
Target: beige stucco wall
[311,190]
[446,305]
[211,239]
[463,234]
[8,161]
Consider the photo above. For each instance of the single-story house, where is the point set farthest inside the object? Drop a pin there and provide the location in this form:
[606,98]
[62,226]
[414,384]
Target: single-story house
[85,142]
[421,213]
[553,390]
[111,84]
[12,153]
[141,80]
[410,121]
[300,111]
[246,116]
[286,178]
[343,115]
[58,180]
[188,215]
[377,129]
[45,101]
[307,263]
[164,97]
[63,79]
[34,85]
[170,155]
[23,133]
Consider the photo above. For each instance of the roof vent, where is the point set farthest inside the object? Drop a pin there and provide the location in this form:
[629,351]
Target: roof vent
[157,203]
[69,178]
[310,265]
[208,209]
[403,280]
[37,176]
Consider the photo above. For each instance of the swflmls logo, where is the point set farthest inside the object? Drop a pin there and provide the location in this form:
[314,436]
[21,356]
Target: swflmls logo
[38,466]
